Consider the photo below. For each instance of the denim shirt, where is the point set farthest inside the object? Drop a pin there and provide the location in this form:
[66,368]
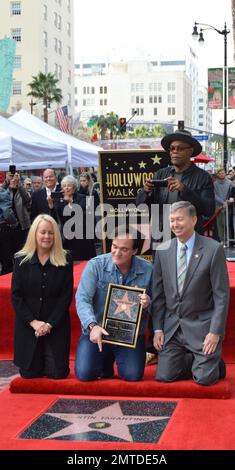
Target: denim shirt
[93,287]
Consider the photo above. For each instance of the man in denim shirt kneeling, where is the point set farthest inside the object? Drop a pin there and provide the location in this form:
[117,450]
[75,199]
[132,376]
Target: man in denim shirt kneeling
[93,359]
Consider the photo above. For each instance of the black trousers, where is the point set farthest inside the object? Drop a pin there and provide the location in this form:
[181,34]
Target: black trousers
[43,363]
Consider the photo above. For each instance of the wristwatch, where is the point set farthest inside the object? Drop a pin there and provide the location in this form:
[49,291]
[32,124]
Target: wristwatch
[91,325]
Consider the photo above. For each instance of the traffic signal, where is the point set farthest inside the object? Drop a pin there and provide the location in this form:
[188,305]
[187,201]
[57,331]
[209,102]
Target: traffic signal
[180,125]
[122,124]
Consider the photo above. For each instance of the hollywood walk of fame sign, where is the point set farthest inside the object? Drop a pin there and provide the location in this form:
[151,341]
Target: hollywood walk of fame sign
[122,315]
[122,175]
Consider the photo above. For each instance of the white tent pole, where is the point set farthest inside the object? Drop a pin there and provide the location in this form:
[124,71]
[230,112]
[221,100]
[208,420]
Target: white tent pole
[70,160]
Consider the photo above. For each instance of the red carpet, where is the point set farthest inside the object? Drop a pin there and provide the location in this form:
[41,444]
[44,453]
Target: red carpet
[116,387]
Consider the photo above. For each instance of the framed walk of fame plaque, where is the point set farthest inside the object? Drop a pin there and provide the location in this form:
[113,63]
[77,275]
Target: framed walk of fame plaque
[122,315]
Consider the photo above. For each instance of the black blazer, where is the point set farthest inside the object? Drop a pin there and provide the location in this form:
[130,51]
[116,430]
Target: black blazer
[40,204]
[41,293]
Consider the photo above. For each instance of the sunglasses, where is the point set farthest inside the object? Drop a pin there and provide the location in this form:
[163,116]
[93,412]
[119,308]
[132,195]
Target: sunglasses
[178,148]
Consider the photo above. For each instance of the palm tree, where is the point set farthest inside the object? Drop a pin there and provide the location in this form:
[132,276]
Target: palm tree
[44,87]
[108,122]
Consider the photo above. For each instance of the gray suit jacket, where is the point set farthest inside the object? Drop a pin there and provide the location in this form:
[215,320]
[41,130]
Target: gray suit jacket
[202,306]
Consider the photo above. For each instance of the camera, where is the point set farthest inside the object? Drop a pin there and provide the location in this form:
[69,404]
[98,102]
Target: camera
[12,169]
[158,183]
[57,195]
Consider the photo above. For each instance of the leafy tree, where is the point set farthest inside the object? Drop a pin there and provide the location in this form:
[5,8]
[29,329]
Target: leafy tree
[44,87]
[107,122]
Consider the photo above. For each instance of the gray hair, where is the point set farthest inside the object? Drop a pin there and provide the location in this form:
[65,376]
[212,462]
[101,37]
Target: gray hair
[70,180]
[186,205]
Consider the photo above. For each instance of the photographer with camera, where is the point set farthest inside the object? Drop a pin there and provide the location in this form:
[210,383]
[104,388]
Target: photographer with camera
[40,197]
[15,224]
[183,181]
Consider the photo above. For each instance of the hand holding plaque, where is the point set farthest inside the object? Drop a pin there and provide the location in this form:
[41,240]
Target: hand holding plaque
[122,315]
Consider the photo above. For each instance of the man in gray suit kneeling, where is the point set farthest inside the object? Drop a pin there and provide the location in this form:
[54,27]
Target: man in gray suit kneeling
[190,302]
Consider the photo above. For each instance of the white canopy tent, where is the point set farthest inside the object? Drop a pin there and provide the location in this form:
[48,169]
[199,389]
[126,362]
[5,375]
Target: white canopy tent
[79,153]
[27,149]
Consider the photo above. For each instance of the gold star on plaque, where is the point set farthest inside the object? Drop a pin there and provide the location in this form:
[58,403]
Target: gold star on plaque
[124,305]
[142,164]
[156,159]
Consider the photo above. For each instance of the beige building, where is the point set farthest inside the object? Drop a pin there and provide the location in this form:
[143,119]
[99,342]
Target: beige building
[43,30]
[155,94]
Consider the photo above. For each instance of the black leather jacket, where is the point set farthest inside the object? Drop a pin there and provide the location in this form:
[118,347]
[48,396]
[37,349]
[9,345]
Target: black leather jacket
[199,190]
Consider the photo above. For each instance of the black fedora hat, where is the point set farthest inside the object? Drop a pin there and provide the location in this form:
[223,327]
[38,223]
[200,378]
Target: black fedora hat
[184,136]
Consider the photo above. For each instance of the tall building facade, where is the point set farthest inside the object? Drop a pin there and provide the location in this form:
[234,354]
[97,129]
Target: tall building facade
[158,91]
[43,31]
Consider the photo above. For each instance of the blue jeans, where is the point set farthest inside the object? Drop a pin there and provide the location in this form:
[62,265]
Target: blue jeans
[90,363]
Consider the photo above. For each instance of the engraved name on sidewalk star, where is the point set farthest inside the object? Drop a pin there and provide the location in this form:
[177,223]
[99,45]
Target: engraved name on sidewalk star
[109,420]
[124,305]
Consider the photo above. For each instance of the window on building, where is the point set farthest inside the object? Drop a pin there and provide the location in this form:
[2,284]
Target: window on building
[76,102]
[56,70]
[150,99]
[83,102]
[171,111]
[69,99]
[45,12]
[159,99]
[171,86]
[16,34]
[200,116]
[59,22]
[17,88]
[17,62]
[69,52]
[201,108]
[45,65]
[105,102]
[200,124]
[137,99]
[142,99]
[101,90]
[155,111]
[141,111]
[84,90]
[92,90]
[55,44]
[101,102]
[69,29]
[155,99]
[55,19]
[170,98]
[60,72]
[15,8]
[69,76]
[133,111]
[45,40]
[69,5]
[60,47]
[105,89]
[76,90]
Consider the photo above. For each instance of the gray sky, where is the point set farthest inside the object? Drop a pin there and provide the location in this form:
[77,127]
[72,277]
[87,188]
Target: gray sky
[149,28]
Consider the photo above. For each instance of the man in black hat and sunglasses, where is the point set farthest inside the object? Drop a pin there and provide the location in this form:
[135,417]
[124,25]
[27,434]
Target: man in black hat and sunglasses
[184,181]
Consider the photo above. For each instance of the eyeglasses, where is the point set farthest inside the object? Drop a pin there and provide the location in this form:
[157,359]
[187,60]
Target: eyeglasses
[178,148]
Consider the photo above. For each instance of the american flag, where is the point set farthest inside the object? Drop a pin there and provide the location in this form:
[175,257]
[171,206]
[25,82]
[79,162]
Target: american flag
[62,118]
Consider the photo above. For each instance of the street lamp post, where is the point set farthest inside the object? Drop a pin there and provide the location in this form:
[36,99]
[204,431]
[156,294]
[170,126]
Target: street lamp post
[200,38]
